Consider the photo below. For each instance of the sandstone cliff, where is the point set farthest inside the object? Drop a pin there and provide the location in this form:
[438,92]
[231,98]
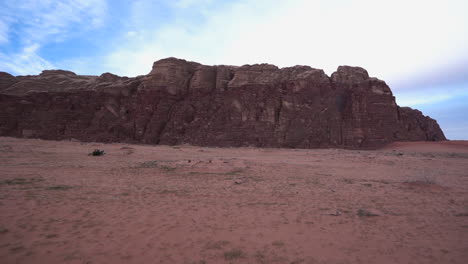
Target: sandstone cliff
[186,102]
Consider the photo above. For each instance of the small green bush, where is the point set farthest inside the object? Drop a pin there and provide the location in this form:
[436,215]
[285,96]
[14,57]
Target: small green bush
[97,152]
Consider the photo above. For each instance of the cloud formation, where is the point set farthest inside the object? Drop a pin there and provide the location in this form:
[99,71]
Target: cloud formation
[33,24]
[3,32]
[394,40]
[387,38]
[38,21]
[24,62]
[420,48]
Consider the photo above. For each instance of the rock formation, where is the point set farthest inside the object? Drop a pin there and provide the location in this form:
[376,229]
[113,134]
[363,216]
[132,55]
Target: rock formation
[185,102]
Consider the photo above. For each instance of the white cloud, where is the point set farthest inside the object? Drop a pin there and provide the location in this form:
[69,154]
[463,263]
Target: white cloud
[392,39]
[43,19]
[190,3]
[3,32]
[131,34]
[37,23]
[25,62]
[85,65]
[414,99]
[431,95]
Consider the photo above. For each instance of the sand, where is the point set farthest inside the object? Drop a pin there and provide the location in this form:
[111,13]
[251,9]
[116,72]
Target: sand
[406,203]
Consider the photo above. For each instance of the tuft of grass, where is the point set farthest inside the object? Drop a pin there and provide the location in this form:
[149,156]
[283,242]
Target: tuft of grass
[297,261]
[363,213]
[235,171]
[167,168]
[17,248]
[59,188]
[348,181]
[6,148]
[128,150]
[217,244]
[3,230]
[20,181]
[233,254]
[314,181]
[97,152]
[260,257]
[278,243]
[155,164]
[422,180]
[148,164]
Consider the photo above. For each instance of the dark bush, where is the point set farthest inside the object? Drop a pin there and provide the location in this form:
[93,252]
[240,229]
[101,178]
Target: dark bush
[97,152]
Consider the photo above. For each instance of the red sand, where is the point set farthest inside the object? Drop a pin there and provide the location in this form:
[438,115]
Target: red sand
[186,204]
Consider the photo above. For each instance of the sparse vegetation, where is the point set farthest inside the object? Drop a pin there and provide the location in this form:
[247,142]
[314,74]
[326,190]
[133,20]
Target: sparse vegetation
[20,181]
[59,187]
[155,164]
[6,148]
[148,164]
[198,262]
[278,243]
[462,214]
[252,222]
[97,152]
[128,150]
[233,254]
[430,154]
[364,212]
[3,230]
[217,244]
[348,181]
[297,261]
[423,181]
[17,248]
[230,173]
[235,171]
[260,257]
[167,168]
[425,177]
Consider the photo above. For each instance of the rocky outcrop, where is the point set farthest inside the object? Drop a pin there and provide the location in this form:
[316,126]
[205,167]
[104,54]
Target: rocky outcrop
[185,102]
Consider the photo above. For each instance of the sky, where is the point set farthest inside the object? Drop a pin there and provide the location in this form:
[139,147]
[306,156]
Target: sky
[420,48]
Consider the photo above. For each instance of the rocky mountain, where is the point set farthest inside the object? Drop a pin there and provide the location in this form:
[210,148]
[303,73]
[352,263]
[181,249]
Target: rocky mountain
[182,102]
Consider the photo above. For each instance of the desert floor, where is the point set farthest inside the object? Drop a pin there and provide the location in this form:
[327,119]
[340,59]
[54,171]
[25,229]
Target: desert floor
[406,203]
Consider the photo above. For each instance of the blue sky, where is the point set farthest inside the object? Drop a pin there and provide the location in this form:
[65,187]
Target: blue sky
[420,48]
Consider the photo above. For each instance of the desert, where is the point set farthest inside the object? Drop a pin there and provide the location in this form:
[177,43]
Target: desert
[234,131]
[406,202]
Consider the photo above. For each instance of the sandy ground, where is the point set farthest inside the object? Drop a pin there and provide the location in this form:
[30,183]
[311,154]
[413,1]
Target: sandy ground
[406,203]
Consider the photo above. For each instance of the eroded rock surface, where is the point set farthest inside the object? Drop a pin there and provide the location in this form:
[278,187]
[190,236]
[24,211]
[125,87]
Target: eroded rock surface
[185,102]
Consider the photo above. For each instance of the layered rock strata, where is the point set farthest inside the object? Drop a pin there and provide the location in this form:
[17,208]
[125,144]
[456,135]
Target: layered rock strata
[181,102]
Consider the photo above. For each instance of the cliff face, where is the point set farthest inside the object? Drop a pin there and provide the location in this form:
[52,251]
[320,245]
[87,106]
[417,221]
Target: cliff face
[186,102]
